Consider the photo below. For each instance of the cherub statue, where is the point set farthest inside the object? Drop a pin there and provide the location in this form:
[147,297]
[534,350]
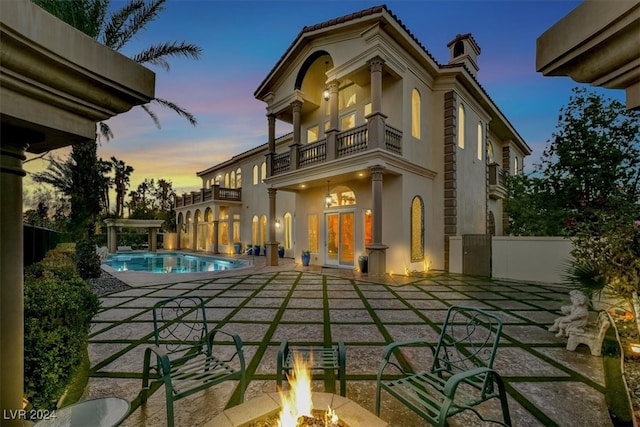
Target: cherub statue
[575,316]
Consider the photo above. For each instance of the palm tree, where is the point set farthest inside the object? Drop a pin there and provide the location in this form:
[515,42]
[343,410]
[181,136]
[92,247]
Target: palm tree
[121,181]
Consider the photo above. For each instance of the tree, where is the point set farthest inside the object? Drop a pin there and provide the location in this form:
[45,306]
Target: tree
[121,181]
[115,31]
[594,152]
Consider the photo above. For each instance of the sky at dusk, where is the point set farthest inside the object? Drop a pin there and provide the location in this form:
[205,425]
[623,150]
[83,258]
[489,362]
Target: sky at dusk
[242,41]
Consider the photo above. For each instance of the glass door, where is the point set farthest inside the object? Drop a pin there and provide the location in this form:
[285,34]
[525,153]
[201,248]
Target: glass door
[339,238]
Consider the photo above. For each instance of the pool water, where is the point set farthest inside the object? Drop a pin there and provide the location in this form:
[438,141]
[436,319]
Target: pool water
[168,263]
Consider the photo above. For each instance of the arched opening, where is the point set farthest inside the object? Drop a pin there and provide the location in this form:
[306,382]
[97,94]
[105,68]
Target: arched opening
[254,230]
[288,231]
[341,195]
[415,113]
[263,230]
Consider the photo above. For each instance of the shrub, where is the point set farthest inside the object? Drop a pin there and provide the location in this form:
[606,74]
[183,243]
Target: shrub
[87,260]
[58,308]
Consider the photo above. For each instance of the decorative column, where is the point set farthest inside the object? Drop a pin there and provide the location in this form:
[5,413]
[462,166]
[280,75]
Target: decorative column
[377,250]
[272,244]
[112,239]
[375,120]
[153,239]
[216,227]
[332,132]
[194,234]
[11,278]
[295,156]
[271,118]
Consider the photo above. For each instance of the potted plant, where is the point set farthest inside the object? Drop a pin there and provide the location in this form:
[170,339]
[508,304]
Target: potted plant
[363,263]
[306,257]
[280,251]
[256,250]
[237,248]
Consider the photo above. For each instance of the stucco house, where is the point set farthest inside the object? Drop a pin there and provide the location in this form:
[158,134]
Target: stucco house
[391,154]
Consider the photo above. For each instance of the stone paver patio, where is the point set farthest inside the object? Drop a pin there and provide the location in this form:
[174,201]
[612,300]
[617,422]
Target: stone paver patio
[547,385]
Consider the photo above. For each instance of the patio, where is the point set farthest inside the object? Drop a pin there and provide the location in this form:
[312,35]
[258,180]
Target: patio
[547,384]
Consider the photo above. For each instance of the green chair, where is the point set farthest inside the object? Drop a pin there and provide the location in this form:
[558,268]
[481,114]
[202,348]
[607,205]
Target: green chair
[461,374]
[186,359]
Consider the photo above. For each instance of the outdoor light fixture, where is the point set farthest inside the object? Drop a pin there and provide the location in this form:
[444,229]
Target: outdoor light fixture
[277,223]
[328,199]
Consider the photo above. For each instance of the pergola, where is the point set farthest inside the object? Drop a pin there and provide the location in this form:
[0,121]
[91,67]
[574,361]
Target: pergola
[150,224]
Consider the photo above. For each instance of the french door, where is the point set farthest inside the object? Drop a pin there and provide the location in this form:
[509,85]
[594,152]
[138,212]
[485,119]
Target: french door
[340,238]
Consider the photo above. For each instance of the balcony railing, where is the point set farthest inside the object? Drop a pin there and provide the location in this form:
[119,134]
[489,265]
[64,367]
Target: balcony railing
[348,143]
[497,182]
[215,193]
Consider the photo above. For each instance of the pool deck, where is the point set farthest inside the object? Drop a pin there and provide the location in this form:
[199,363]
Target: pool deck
[547,385]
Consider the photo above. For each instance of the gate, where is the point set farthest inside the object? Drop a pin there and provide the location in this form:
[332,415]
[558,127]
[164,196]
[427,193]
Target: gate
[476,254]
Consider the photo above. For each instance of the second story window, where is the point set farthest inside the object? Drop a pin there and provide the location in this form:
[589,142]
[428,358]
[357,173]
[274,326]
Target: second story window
[313,133]
[461,126]
[415,113]
[263,171]
[480,141]
[256,176]
[347,97]
[348,121]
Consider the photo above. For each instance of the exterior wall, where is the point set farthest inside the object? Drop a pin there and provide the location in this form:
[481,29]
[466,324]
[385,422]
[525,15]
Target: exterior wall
[538,259]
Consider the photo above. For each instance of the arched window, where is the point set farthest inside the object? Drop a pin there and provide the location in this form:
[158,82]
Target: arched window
[516,165]
[417,229]
[480,141]
[288,231]
[239,178]
[458,49]
[263,230]
[232,180]
[218,178]
[415,113]
[341,196]
[254,230]
[461,126]
[263,171]
[226,180]
[256,177]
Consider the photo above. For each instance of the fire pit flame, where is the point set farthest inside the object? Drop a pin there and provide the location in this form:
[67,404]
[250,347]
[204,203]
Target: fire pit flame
[297,403]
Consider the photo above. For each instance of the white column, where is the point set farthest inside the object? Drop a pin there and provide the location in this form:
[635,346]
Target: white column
[11,279]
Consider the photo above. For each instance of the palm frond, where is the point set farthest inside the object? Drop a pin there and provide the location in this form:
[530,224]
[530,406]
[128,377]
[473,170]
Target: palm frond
[157,54]
[151,114]
[112,31]
[138,20]
[585,276]
[181,111]
[104,131]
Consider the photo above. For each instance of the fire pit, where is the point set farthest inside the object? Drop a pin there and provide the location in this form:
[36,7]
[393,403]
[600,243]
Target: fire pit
[262,408]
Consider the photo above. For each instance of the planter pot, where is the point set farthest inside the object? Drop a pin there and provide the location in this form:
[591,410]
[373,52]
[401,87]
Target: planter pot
[280,252]
[363,263]
[256,250]
[305,259]
[237,248]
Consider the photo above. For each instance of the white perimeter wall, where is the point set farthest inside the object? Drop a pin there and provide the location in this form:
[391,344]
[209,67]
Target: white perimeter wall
[536,259]
[531,259]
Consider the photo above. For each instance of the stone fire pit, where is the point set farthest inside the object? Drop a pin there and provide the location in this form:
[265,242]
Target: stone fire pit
[349,412]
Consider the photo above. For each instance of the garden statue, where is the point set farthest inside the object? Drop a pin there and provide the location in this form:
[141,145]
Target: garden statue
[575,316]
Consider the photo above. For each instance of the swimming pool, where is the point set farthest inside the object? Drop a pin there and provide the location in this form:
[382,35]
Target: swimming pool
[169,262]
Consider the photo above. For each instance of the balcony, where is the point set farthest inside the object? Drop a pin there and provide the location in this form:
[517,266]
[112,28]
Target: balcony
[497,182]
[348,143]
[215,194]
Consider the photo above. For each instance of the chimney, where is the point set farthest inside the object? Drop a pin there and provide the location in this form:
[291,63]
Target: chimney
[464,50]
